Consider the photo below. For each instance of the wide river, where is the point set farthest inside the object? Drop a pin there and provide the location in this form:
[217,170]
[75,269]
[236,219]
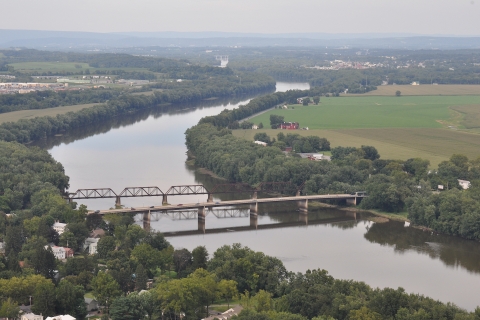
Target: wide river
[148,149]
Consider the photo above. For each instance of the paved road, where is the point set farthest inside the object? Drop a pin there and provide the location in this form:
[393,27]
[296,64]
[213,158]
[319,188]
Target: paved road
[226,203]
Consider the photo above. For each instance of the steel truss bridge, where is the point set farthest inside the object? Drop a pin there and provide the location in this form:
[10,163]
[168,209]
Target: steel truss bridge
[197,189]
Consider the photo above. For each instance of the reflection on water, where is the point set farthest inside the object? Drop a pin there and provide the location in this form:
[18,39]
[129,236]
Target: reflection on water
[452,251]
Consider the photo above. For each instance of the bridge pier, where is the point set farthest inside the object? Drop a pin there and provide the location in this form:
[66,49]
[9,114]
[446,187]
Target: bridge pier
[201,225]
[352,201]
[164,199]
[254,209]
[303,206]
[118,202]
[210,198]
[146,221]
[298,194]
[201,213]
[254,221]
[254,196]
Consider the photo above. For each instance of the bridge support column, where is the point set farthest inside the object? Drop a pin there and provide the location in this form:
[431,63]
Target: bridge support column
[201,219]
[352,201]
[254,221]
[201,213]
[118,202]
[303,206]
[254,209]
[146,221]
[298,193]
[255,195]
[164,199]
[201,225]
[210,198]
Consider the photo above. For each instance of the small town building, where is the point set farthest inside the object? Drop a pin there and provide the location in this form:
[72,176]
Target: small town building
[61,253]
[464,184]
[289,125]
[91,304]
[254,127]
[300,100]
[61,317]
[90,245]
[31,316]
[261,143]
[59,227]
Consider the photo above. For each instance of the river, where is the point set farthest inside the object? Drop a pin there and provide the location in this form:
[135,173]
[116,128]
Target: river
[148,149]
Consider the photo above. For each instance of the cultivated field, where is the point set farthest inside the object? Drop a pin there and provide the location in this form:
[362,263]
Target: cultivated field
[429,127]
[424,90]
[30,114]
[374,112]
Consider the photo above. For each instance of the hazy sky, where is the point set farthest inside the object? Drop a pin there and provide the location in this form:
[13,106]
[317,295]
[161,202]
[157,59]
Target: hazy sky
[456,17]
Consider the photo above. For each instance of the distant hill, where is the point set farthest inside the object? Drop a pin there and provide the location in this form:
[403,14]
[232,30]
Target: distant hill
[81,41]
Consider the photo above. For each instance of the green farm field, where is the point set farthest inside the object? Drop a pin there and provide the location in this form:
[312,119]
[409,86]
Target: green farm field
[425,90]
[30,114]
[373,112]
[53,67]
[428,127]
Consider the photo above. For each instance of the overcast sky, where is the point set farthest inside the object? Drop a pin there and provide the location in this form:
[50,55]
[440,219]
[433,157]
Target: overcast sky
[453,17]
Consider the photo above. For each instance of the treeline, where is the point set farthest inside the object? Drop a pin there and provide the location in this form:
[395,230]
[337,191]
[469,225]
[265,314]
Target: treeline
[52,99]
[33,129]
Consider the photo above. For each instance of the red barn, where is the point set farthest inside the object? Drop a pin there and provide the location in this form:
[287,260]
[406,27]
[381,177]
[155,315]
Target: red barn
[289,125]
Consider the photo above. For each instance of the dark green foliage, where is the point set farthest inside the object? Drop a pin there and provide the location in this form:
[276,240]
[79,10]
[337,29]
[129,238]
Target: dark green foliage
[70,300]
[199,258]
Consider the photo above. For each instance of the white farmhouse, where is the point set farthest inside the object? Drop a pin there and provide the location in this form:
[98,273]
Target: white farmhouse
[31,316]
[464,184]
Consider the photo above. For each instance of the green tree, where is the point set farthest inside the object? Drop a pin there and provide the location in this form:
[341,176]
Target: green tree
[44,299]
[398,93]
[105,245]
[71,300]
[276,120]
[316,99]
[364,314]
[105,289]
[9,309]
[199,258]
[228,290]
[141,278]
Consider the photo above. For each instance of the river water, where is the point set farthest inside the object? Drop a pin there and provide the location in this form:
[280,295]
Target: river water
[147,149]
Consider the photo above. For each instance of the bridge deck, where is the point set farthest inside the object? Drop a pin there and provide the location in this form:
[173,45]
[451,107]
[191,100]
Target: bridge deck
[228,203]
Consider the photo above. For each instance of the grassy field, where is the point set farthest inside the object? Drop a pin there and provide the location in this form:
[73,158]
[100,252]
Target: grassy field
[63,67]
[425,90]
[429,127]
[373,112]
[435,145]
[29,114]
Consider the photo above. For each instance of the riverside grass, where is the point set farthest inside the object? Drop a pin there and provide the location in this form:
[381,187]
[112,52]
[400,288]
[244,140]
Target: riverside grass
[49,112]
[399,127]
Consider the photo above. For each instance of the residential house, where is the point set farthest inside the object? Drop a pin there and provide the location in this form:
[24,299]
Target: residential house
[300,100]
[90,245]
[254,127]
[61,317]
[61,253]
[91,304]
[31,316]
[59,227]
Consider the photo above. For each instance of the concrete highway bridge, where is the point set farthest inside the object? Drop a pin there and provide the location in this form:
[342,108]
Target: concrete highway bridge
[201,209]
